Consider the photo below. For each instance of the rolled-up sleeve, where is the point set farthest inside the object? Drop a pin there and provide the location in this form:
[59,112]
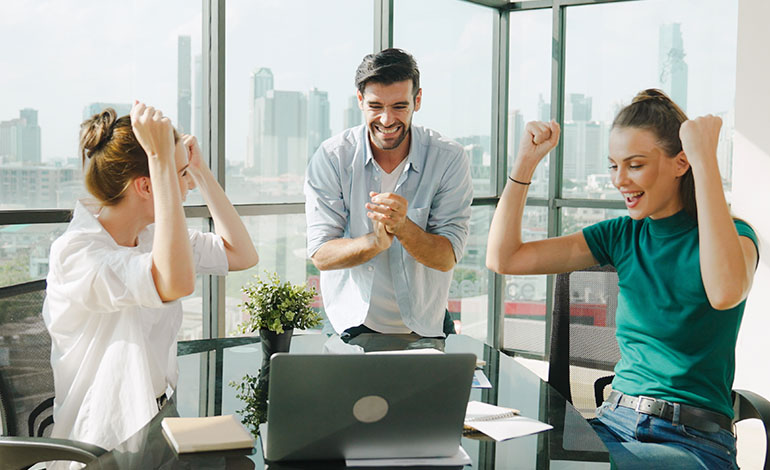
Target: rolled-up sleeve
[450,212]
[209,253]
[325,210]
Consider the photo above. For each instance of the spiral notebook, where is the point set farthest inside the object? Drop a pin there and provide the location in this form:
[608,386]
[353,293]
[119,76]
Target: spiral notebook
[498,422]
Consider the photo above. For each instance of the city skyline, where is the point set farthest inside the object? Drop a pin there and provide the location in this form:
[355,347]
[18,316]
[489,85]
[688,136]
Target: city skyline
[117,77]
[613,51]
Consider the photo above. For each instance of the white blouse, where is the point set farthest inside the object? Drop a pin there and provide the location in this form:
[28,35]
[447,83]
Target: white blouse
[113,341]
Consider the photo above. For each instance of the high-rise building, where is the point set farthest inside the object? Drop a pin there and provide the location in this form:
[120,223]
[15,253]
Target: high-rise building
[543,109]
[318,128]
[280,134]
[672,69]
[30,137]
[583,150]
[578,107]
[260,82]
[198,99]
[36,186]
[352,113]
[10,140]
[515,130]
[183,85]
[20,139]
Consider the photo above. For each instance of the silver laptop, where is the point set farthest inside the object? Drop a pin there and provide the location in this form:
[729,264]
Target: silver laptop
[366,406]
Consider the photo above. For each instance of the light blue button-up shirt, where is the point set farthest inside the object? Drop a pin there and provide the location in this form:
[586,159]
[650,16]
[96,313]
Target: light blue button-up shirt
[436,183]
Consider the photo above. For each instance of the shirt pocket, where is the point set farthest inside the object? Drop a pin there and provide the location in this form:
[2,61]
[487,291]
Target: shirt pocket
[419,215]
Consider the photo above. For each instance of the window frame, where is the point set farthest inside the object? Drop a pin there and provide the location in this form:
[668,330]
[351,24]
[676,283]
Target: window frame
[213,145]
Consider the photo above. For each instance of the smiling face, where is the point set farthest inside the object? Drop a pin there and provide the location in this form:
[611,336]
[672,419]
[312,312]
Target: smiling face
[388,110]
[647,178]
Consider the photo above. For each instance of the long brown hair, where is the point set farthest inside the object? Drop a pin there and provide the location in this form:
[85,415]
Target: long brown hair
[654,111]
[111,156]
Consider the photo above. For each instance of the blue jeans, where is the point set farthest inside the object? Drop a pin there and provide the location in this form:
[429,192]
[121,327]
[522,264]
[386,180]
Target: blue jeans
[637,440]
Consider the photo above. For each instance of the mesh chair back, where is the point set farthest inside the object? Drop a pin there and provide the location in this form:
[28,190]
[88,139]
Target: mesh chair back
[26,378]
[583,345]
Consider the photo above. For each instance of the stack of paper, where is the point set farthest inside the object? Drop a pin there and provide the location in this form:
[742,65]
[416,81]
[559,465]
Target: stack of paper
[207,434]
[500,423]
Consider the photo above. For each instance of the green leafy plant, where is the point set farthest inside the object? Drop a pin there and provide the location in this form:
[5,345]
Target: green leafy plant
[278,306]
[253,392]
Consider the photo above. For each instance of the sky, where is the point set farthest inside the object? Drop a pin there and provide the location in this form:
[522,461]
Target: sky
[59,55]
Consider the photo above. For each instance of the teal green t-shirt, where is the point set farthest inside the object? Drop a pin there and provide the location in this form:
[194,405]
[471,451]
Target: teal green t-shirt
[673,344]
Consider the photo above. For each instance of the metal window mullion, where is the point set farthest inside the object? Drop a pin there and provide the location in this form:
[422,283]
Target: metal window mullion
[542,4]
[500,53]
[213,300]
[558,65]
[383,24]
[529,5]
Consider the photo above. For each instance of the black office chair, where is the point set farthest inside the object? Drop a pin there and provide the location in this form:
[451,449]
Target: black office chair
[584,350]
[26,384]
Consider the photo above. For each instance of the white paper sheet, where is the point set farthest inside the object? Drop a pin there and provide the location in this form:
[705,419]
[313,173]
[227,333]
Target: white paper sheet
[480,380]
[501,429]
[460,458]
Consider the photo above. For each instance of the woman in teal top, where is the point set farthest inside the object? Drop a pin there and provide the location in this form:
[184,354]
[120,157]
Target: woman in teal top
[685,267]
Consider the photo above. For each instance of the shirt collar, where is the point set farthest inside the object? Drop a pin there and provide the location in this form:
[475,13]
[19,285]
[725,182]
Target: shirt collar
[672,225]
[84,219]
[416,156]
[84,216]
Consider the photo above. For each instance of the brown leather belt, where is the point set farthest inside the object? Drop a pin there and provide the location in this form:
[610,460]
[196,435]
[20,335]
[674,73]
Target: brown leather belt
[692,416]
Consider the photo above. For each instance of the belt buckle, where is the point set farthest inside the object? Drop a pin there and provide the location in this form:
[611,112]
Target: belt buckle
[650,410]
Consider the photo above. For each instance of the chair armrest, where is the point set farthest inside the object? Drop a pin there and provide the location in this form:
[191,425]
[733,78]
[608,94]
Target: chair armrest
[599,385]
[21,452]
[748,405]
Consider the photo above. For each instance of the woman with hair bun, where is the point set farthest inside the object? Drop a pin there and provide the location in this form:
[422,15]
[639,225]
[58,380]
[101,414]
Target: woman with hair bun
[685,267]
[116,275]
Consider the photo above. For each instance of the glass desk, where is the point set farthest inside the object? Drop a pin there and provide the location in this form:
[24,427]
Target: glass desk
[207,367]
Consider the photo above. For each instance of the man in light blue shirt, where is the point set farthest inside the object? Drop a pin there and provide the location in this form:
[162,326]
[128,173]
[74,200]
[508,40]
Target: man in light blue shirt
[388,210]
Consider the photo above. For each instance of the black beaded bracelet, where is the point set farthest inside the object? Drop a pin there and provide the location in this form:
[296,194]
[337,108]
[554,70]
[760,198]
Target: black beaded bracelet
[519,182]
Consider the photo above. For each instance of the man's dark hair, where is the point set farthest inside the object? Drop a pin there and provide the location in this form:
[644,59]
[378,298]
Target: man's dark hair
[388,67]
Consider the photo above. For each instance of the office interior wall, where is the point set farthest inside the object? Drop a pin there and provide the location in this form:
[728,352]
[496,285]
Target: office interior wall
[751,191]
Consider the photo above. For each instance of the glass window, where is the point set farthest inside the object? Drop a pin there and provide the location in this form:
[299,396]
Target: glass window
[452,44]
[616,50]
[574,219]
[469,290]
[192,305]
[288,89]
[524,297]
[529,84]
[281,241]
[107,54]
[24,251]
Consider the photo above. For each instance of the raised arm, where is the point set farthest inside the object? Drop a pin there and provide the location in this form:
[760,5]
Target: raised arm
[727,261]
[506,252]
[240,250]
[173,270]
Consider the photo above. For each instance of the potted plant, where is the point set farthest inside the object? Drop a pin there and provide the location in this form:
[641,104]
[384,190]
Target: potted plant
[275,309]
